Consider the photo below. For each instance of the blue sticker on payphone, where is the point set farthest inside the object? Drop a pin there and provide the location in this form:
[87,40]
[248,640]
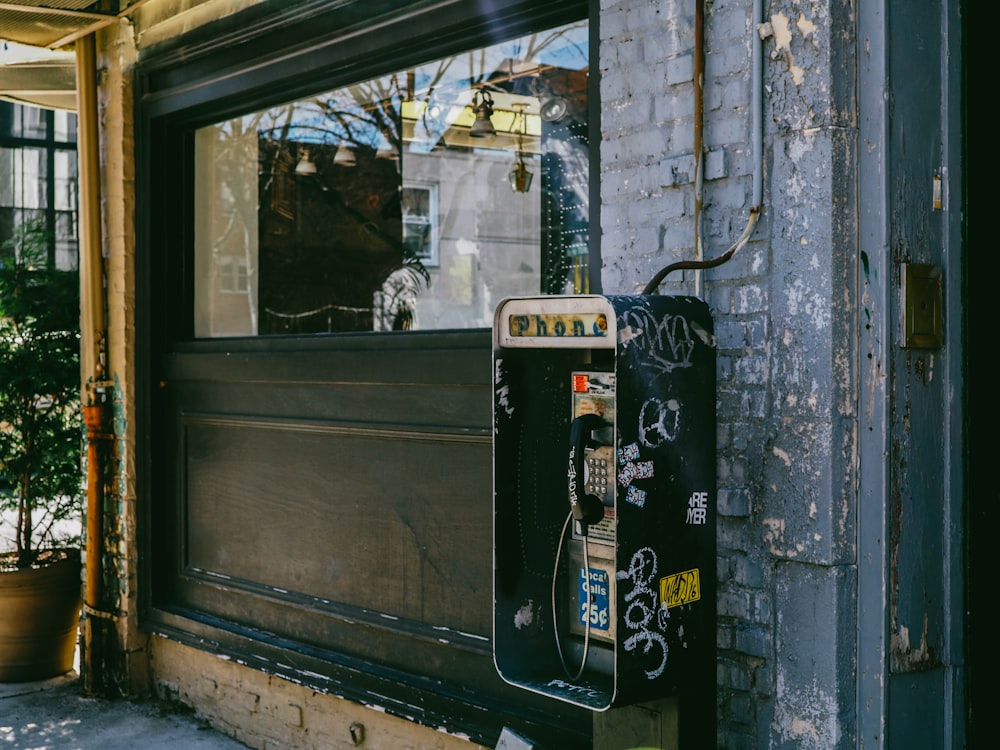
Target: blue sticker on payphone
[598,608]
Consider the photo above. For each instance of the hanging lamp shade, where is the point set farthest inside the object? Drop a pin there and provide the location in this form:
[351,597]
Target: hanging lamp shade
[520,177]
[482,105]
[344,156]
[306,165]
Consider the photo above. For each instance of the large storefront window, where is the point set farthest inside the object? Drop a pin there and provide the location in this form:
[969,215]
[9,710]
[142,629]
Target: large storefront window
[411,201]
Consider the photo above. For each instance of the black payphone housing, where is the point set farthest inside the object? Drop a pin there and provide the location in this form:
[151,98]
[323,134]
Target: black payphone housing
[604,499]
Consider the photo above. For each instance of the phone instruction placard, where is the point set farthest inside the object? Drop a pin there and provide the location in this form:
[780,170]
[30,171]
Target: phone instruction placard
[597,606]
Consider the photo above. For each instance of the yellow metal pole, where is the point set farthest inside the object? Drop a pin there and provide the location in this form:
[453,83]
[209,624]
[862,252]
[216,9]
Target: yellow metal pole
[93,324]
[92,335]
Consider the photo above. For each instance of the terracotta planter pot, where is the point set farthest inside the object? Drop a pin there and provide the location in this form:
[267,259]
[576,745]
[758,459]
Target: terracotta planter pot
[39,616]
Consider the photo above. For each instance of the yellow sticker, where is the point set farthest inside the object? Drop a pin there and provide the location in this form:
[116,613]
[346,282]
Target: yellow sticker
[680,588]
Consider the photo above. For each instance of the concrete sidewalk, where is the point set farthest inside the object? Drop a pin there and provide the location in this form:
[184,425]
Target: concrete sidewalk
[55,715]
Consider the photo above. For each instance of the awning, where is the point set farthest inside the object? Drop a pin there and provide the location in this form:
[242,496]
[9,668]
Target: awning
[54,23]
[37,63]
[37,76]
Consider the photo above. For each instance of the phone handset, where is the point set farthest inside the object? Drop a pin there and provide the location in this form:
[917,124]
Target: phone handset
[587,509]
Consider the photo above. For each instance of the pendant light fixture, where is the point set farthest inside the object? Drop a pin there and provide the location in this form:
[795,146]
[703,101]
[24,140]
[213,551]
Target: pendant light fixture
[344,156]
[306,166]
[520,177]
[482,105]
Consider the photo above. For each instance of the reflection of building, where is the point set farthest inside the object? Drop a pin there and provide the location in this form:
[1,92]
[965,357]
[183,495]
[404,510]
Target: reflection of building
[38,179]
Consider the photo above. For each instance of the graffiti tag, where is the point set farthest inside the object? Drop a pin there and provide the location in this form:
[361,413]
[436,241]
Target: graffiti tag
[668,342]
[659,422]
[643,611]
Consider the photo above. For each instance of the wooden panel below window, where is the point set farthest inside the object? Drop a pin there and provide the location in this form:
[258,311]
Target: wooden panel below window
[390,520]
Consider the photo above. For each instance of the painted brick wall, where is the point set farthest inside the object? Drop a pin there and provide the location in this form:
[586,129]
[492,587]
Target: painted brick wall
[270,713]
[782,307]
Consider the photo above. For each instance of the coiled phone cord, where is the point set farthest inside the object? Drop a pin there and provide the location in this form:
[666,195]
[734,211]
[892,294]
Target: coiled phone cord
[555,619]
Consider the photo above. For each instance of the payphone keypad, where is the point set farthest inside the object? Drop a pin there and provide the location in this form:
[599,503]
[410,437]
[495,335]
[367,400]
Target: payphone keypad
[600,473]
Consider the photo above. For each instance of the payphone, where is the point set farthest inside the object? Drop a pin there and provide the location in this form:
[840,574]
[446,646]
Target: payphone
[604,498]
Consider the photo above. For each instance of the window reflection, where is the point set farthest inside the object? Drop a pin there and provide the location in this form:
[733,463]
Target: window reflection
[376,207]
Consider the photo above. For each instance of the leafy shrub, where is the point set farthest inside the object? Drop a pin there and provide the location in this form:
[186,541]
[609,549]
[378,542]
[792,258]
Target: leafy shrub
[40,427]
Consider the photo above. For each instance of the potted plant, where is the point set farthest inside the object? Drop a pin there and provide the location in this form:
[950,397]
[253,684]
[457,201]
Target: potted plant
[40,460]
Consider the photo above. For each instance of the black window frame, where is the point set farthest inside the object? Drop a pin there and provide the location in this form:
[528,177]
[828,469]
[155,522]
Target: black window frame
[267,54]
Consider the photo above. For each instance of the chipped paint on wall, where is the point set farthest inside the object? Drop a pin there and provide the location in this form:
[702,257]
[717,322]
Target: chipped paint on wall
[781,29]
[806,716]
[783,455]
[908,656]
[774,536]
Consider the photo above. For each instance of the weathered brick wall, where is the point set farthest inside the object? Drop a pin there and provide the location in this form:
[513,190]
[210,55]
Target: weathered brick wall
[270,713]
[782,307]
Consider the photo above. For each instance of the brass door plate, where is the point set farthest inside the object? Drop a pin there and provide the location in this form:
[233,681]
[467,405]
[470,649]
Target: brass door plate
[922,307]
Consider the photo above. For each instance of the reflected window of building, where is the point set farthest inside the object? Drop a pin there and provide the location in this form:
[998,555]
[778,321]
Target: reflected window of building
[392,204]
[420,222]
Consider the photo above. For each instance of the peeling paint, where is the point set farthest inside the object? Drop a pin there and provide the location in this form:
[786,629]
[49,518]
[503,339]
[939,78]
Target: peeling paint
[807,716]
[782,32]
[774,535]
[907,656]
[801,728]
[782,455]
[805,26]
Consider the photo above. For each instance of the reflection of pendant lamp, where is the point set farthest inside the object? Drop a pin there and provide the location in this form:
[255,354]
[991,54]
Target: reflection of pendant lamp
[482,105]
[306,165]
[520,178]
[344,156]
[554,109]
[551,108]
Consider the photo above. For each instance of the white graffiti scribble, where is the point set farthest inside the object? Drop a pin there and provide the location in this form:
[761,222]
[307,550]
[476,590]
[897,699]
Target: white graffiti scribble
[502,391]
[578,689]
[659,422]
[525,615]
[668,342]
[643,610]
